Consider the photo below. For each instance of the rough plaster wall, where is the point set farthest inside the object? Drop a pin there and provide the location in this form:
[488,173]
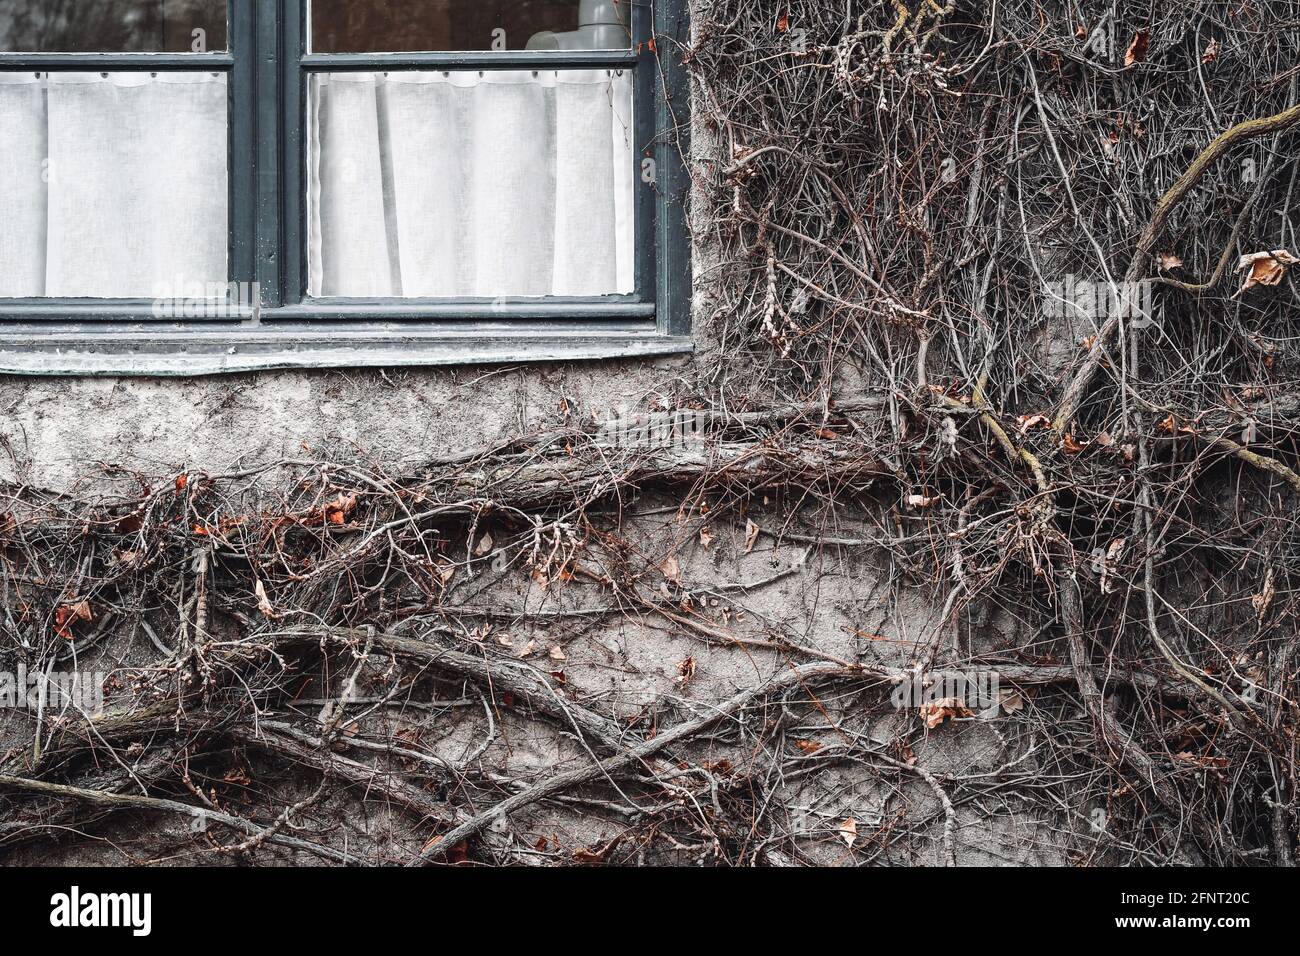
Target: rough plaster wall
[54,430]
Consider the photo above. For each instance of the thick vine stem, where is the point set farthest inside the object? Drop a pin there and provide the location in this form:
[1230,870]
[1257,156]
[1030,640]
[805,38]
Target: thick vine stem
[1082,378]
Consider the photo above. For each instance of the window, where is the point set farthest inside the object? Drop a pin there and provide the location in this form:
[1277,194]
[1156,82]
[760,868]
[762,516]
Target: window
[196,185]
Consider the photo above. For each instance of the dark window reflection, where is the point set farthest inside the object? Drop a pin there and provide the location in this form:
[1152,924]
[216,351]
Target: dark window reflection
[395,26]
[112,26]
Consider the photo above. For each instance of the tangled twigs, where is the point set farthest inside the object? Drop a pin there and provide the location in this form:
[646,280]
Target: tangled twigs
[133,801]
[1140,263]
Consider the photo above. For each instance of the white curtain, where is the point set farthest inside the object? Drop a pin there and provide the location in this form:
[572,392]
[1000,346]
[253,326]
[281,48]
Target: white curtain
[466,184]
[112,185]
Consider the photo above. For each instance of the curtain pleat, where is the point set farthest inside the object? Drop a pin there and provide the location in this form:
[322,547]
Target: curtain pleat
[444,184]
[115,185]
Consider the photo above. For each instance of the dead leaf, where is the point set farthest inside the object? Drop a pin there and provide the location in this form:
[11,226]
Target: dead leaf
[936,712]
[67,614]
[1168,260]
[1108,562]
[1211,52]
[752,532]
[1033,421]
[671,569]
[1010,702]
[706,537]
[337,511]
[685,670]
[1071,446]
[783,25]
[444,571]
[238,777]
[264,603]
[922,501]
[849,832]
[1137,50]
[182,480]
[808,746]
[484,545]
[1266,268]
[557,654]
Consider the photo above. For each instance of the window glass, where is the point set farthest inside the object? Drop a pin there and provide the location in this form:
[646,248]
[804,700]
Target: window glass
[112,26]
[471,183]
[114,184]
[390,26]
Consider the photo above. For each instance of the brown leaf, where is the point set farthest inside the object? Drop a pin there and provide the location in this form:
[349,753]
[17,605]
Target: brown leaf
[182,480]
[1137,50]
[706,537]
[1211,52]
[849,832]
[337,511]
[752,532]
[484,545]
[1168,260]
[922,501]
[67,614]
[589,857]
[937,711]
[1266,268]
[671,569]
[264,603]
[443,570]
[1108,562]
[685,670]
[1033,421]
[808,746]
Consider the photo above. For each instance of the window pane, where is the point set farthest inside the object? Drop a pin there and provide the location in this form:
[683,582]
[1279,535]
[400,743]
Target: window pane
[112,26]
[478,184]
[379,26]
[114,184]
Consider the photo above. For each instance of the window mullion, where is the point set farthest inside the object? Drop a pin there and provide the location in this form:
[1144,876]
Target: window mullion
[242,136]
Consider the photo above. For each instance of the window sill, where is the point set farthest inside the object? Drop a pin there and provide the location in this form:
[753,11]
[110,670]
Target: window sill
[153,351]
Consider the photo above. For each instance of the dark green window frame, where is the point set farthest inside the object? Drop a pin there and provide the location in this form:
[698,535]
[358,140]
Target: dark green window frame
[267,66]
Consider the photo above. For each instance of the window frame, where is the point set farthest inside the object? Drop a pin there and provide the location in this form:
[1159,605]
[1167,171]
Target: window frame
[267,67]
